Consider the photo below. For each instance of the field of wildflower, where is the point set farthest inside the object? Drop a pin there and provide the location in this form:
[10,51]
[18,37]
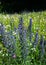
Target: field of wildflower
[23,38]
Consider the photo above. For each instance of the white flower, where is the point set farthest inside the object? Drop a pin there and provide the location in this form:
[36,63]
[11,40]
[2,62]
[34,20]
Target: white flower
[32,57]
[6,54]
[5,30]
[1,51]
[33,35]
[3,55]
[14,33]
[33,49]
[30,44]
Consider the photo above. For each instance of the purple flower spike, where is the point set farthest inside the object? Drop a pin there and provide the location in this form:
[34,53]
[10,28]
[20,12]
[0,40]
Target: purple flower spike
[42,45]
[30,29]
[20,29]
[2,29]
[22,36]
[36,39]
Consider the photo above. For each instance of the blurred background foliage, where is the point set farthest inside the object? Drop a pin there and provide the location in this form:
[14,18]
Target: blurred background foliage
[12,6]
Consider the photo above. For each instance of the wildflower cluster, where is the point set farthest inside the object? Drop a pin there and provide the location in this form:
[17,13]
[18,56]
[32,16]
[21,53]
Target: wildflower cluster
[8,40]
[28,41]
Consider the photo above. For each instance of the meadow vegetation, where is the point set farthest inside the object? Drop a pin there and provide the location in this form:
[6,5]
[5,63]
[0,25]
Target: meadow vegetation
[23,38]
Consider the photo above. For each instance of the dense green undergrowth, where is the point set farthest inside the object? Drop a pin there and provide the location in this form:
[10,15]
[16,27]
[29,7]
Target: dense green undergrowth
[34,56]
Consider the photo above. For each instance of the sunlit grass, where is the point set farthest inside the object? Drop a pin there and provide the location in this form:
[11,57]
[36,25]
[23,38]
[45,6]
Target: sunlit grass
[38,20]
